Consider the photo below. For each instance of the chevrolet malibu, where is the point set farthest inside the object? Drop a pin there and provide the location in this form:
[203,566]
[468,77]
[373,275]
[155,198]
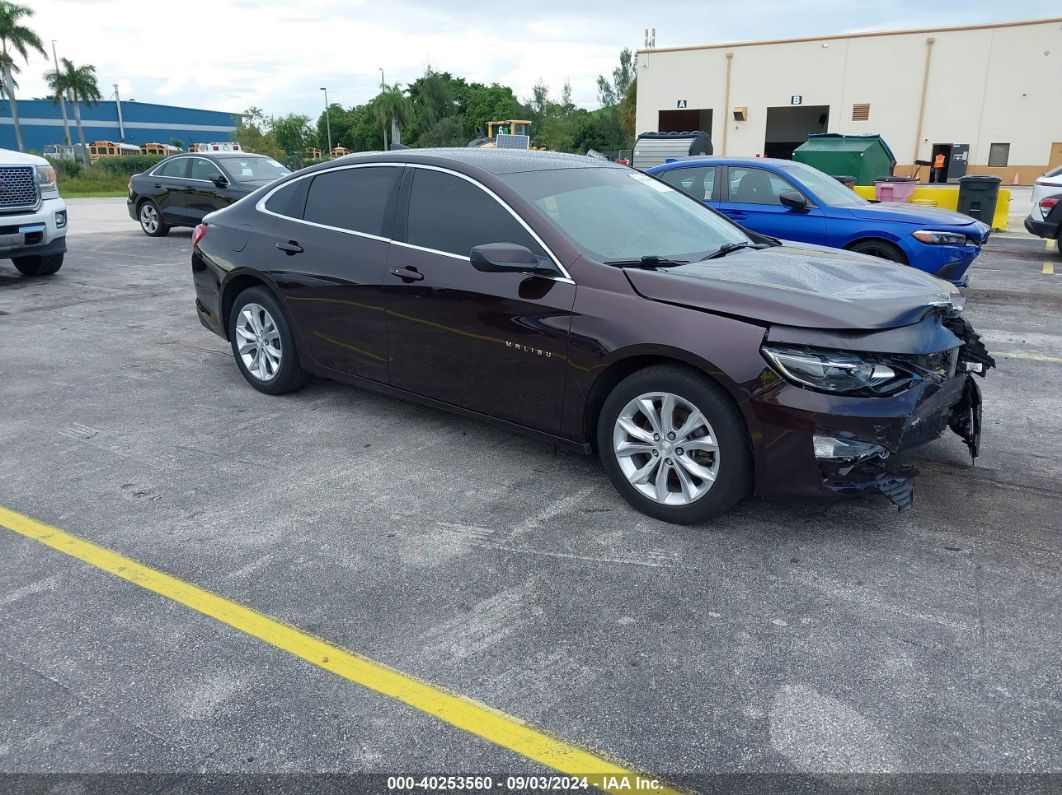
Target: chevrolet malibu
[600,310]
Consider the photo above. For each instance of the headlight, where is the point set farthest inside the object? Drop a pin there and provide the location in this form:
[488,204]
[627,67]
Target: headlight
[835,371]
[46,178]
[940,238]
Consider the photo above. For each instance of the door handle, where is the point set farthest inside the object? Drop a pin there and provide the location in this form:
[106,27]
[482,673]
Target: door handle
[408,274]
[158,185]
[289,247]
[737,214]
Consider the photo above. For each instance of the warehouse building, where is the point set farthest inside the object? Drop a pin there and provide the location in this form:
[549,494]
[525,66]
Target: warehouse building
[131,122]
[986,97]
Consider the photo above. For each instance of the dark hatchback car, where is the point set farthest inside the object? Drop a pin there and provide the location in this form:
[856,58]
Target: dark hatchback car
[595,308]
[182,189]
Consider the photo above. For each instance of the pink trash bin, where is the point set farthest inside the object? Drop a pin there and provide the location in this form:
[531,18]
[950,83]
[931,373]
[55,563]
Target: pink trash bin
[894,189]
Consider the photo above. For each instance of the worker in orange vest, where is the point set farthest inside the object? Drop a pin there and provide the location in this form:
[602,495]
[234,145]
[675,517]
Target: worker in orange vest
[938,168]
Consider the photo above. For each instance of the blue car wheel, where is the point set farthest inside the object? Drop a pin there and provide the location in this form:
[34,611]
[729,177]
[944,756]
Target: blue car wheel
[879,248]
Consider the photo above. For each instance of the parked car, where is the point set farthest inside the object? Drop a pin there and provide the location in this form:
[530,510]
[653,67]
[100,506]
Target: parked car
[594,307]
[1045,219]
[182,189]
[794,201]
[32,215]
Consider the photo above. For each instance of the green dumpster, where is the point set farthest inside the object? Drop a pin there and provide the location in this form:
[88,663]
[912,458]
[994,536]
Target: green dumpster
[866,157]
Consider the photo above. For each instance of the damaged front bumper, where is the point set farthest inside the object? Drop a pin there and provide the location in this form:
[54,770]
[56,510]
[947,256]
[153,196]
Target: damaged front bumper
[813,444]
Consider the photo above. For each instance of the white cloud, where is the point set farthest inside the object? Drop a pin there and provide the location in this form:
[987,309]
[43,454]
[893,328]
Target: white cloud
[230,54]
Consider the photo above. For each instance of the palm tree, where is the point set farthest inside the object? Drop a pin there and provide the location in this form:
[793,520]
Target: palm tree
[392,105]
[79,82]
[16,39]
[54,79]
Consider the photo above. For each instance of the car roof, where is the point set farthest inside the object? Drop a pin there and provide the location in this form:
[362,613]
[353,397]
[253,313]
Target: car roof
[723,160]
[492,161]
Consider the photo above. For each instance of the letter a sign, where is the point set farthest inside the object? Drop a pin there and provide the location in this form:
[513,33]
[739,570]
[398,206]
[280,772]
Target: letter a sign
[680,104]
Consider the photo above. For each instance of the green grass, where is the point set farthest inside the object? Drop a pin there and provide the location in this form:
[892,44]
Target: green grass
[94,194]
[94,184]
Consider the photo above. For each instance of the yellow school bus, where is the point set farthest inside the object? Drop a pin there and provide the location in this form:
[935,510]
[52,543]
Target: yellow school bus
[98,149]
[159,149]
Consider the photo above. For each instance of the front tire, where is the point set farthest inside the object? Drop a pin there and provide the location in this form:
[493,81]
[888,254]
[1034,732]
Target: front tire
[263,344]
[882,249]
[674,445]
[38,265]
[151,220]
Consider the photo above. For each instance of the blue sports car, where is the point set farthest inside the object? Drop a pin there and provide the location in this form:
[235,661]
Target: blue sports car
[794,201]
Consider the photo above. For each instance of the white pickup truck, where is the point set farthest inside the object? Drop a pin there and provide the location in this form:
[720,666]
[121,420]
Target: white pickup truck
[32,216]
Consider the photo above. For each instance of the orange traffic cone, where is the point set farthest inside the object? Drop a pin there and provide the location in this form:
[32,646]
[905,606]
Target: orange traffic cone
[1017,179]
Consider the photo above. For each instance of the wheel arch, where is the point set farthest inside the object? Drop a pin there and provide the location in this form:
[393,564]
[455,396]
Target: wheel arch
[637,360]
[880,237]
[237,284]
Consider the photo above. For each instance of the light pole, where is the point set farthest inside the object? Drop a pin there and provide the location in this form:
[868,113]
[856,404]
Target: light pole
[382,89]
[328,123]
[62,99]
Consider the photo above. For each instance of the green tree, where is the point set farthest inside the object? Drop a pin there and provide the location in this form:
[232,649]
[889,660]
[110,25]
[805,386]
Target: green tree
[292,134]
[79,83]
[339,120]
[16,39]
[392,105]
[253,134]
[58,95]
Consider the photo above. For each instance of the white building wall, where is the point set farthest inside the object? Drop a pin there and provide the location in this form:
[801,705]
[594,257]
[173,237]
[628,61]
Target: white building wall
[987,84]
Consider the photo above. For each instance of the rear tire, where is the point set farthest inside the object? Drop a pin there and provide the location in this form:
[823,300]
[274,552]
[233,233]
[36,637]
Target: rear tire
[263,344]
[39,264]
[703,472]
[882,249]
[151,219]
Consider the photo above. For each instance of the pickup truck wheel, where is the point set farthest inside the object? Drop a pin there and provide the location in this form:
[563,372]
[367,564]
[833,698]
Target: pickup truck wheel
[674,445]
[151,220]
[263,344]
[38,265]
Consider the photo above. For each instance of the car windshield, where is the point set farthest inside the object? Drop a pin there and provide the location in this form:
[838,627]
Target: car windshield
[614,214]
[826,189]
[253,169]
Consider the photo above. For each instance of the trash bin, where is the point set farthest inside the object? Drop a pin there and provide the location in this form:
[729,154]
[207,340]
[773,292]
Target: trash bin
[867,157]
[848,182]
[978,196]
[894,189]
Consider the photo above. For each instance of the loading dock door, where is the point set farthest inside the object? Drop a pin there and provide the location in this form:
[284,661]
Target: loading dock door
[789,126]
[685,120]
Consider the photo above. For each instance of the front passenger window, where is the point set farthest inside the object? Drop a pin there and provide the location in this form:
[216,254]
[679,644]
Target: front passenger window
[757,186]
[450,214]
[204,169]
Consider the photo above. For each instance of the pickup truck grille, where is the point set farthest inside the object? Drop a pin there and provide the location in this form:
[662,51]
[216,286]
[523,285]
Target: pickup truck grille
[18,188]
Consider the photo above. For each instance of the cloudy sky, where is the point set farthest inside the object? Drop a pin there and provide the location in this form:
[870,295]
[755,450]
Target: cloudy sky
[231,54]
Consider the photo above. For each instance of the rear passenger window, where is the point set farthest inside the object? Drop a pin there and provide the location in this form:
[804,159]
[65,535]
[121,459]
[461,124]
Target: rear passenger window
[351,198]
[447,213]
[289,200]
[173,168]
[697,181]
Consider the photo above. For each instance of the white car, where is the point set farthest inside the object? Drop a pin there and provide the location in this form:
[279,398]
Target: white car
[1045,220]
[32,216]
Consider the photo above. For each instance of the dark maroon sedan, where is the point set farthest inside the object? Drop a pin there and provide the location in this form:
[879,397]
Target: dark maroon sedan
[595,308]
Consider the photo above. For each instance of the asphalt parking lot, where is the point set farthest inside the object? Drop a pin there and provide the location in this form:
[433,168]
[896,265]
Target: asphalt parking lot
[783,638]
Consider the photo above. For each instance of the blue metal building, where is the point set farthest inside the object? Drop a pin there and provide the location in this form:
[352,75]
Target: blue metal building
[42,123]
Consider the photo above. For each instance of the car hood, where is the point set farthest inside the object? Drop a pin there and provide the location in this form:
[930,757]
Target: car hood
[803,286]
[910,213]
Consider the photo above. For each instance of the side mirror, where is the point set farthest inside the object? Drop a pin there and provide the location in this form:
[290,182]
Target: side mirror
[794,200]
[220,181]
[507,258]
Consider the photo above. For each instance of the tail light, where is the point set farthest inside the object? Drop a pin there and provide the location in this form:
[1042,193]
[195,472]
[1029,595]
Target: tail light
[198,235]
[1048,204]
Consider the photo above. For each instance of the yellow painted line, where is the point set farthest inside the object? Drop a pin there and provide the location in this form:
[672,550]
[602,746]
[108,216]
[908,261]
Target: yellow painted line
[1049,268]
[456,710]
[1033,357]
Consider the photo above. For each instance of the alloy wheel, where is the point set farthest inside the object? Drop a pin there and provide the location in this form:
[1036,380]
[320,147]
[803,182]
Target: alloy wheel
[149,218]
[666,448]
[258,342]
